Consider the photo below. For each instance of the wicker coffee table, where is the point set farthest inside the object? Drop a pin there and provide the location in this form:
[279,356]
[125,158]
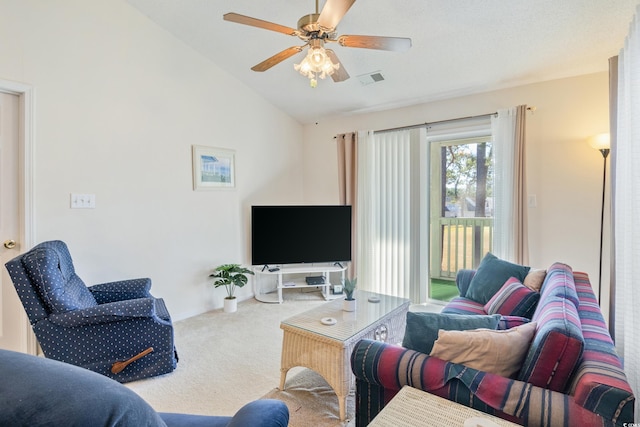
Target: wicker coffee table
[412,407]
[327,349]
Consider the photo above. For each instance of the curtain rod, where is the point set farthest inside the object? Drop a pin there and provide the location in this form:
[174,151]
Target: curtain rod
[433,123]
[442,121]
[532,109]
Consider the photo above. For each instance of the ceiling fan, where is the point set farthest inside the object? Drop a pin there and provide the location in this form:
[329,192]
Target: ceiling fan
[316,29]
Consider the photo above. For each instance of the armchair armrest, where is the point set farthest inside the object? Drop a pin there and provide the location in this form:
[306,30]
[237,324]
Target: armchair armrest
[463,279]
[121,290]
[106,313]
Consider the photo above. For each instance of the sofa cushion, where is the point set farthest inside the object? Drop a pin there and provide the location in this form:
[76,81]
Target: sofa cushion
[513,299]
[57,283]
[461,305]
[422,327]
[492,273]
[557,346]
[497,352]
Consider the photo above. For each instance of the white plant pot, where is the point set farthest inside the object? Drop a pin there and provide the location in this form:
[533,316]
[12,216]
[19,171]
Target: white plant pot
[349,305]
[230,305]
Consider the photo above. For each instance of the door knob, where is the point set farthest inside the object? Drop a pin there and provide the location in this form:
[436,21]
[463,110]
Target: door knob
[10,244]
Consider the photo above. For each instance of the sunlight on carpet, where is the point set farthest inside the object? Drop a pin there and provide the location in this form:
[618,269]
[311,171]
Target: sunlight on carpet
[230,359]
[312,402]
[226,359]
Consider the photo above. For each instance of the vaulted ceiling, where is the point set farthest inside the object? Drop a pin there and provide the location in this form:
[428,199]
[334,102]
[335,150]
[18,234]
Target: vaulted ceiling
[458,48]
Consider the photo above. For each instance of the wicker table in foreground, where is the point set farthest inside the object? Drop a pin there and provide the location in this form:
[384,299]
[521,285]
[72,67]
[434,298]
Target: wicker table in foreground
[412,407]
[326,349]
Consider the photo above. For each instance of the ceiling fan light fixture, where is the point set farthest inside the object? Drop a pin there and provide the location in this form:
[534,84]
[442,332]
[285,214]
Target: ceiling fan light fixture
[315,29]
[317,55]
[316,64]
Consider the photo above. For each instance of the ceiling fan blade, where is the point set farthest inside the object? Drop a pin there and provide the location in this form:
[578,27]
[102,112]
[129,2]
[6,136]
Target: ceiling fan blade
[397,44]
[332,13]
[340,74]
[254,22]
[277,58]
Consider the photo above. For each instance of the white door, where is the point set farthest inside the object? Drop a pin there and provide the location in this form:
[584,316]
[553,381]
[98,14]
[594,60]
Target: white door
[14,330]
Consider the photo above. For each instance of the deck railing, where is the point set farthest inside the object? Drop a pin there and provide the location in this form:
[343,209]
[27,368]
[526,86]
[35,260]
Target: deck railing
[459,243]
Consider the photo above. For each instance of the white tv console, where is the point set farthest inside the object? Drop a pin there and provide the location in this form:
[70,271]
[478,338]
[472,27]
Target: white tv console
[291,277]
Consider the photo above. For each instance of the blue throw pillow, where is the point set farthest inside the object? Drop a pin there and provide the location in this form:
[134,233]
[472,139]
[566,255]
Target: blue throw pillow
[492,273]
[422,327]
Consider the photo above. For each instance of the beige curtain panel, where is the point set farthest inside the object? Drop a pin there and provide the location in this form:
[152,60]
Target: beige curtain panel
[348,184]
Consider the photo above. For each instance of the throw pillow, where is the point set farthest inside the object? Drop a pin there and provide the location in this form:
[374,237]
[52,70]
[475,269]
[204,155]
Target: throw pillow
[422,327]
[491,275]
[534,279]
[498,352]
[513,299]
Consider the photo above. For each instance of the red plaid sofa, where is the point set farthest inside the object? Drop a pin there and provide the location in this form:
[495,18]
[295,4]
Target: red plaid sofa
[572,374]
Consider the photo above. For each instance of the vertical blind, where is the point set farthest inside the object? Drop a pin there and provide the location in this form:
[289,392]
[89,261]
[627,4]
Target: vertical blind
[627,207]
[389,195]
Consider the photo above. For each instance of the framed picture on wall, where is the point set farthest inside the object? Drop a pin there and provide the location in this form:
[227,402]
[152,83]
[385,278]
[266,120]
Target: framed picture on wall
[213,168]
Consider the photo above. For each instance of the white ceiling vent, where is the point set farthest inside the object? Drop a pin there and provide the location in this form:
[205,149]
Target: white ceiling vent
[374,77]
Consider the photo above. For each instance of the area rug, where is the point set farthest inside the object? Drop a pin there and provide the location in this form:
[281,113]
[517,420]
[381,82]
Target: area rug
[312,402]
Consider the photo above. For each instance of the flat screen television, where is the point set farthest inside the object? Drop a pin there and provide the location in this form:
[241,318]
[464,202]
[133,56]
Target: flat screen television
[300,234]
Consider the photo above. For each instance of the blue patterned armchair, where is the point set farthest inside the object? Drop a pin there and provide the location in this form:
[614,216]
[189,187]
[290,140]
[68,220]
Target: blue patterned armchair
[117,329]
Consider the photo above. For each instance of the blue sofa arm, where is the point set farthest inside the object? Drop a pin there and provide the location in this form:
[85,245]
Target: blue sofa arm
[121,290]
[259,413]
[109,312]
[463,279]
[42,392]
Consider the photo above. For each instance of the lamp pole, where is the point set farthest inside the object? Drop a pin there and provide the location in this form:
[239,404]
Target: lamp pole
[605,153]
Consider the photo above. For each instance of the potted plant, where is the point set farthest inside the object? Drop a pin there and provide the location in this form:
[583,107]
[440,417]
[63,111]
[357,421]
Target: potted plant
[349,303]
[230,276]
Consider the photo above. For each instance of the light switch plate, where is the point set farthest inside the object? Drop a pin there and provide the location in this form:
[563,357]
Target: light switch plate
[83,201]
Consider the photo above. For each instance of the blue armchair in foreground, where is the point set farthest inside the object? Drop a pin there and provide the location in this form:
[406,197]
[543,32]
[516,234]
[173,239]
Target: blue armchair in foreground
[117,329]
[38,392]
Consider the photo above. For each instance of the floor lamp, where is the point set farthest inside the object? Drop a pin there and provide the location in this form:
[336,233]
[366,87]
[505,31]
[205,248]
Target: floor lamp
[601,143]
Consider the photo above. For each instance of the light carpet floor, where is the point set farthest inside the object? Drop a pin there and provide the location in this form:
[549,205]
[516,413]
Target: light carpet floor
[312,402]
[226,359]
[230,359]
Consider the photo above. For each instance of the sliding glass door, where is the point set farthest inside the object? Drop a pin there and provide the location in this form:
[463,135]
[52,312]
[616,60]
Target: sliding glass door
[461,209]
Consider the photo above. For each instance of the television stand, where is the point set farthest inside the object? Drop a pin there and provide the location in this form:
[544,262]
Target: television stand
[293,277]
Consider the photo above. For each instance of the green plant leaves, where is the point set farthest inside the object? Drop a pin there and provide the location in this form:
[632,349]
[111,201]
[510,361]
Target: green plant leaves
[230,276]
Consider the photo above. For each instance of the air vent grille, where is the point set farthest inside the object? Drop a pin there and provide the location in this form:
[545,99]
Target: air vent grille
[369,78]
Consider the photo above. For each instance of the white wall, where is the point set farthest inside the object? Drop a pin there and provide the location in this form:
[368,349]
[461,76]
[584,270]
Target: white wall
[563,172]
[119,102]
